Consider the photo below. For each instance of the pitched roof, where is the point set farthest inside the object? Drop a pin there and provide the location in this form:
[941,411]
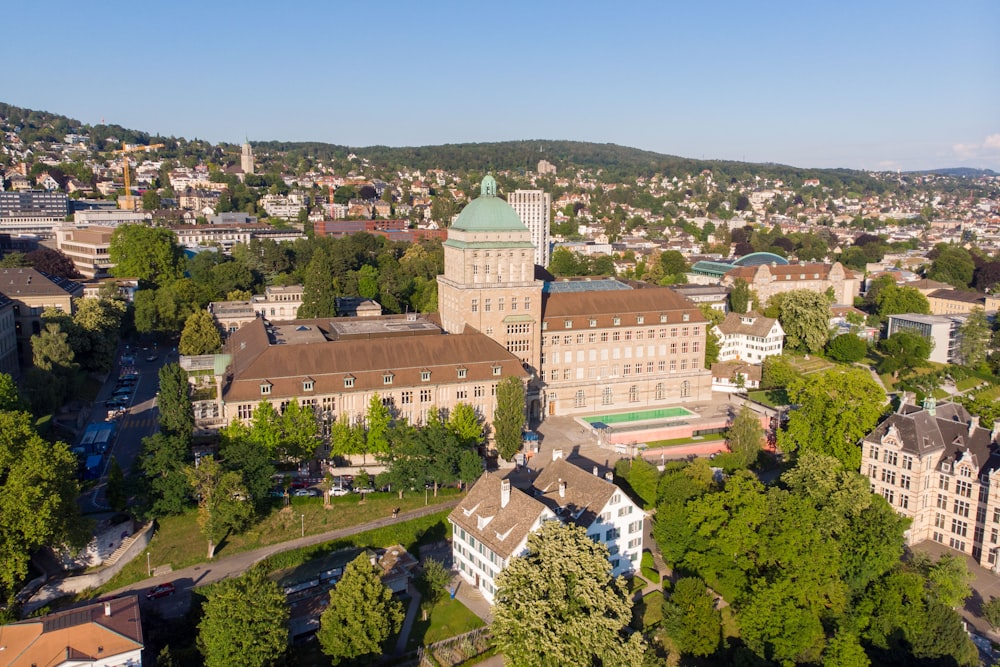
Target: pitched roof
[727,370]
[502,529]
[585,494]
[789,272]
[958,295]
[604,306]
[747,324]
[949,427]
[328,362]
[28,282]
[84,634]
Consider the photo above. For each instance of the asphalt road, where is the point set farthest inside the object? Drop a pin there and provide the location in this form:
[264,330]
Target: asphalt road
[141,419]
[187,579]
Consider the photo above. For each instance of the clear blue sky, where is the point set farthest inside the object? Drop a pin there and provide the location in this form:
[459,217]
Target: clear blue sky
[859,84]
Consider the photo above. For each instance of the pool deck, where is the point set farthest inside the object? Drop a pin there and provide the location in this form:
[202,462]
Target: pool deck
[580,443]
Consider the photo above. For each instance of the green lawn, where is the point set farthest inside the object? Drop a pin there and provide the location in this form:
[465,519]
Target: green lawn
[446,619]
[650,610]
[771,397]
[968,383]
[696,440]
[179,542]
[649,570]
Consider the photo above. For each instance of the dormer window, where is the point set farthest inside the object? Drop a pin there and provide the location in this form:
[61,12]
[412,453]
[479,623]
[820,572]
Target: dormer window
[496,370]
[568,324]
[686,316]
[425,376]
[307,384]
[265,388]
[593,322]
[640,319]
[348,381]
[663,319]
[387,378]
[463,373]
[617,321]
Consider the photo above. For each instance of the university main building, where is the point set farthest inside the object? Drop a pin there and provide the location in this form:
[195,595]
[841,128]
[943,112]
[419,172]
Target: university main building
[580,346]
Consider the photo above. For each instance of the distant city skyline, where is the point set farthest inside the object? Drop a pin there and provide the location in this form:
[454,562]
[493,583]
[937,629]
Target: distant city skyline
[879,86]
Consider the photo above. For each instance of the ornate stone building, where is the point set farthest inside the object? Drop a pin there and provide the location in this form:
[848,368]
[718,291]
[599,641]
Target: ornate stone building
[937,466]
[768,280]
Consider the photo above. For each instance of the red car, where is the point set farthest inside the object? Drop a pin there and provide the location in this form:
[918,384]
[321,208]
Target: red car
[161,591]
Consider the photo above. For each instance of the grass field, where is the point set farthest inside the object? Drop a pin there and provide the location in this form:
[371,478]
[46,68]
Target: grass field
[179,542]
[696,440]
[771,397]
[446,619]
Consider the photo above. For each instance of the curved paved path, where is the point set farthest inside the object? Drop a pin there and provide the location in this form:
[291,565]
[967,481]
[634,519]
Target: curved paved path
[189,578]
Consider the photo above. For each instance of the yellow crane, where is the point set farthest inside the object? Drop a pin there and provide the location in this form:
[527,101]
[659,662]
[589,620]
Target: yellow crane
[128,201]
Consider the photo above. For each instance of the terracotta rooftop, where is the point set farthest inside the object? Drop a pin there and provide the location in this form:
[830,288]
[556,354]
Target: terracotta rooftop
[651,303]
[79,636]
[748,324]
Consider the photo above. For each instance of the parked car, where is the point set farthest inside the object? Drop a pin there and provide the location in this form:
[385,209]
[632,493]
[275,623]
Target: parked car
[338,491]
[302,492]
[161,591]
[152,357]
[116,402]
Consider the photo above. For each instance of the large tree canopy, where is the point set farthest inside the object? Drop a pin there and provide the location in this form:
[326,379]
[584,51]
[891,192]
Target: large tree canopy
[559,605]
[362,615]
[805,317]
[38,492]
[245,622]
[837,408]
[150,254]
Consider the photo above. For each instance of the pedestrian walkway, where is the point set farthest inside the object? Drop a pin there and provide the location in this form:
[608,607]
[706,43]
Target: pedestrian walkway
[411,616]
[472,599]
[216,570]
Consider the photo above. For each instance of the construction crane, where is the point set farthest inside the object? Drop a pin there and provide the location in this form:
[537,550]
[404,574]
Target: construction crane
[127,202]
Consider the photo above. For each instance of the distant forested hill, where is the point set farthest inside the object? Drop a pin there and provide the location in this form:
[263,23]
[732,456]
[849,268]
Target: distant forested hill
[615,163]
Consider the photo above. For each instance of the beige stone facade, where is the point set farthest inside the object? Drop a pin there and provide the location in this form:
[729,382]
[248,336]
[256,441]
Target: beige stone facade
[767,280]
[937,466]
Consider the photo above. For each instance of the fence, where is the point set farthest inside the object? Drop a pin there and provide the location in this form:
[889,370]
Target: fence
[455,650]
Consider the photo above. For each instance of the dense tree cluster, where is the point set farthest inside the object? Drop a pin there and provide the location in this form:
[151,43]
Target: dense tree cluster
[810,566]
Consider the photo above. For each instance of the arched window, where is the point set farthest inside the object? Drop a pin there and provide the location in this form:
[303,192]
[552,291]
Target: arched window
[607,396]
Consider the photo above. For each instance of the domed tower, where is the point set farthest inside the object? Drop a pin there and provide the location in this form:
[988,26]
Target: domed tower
[489,277]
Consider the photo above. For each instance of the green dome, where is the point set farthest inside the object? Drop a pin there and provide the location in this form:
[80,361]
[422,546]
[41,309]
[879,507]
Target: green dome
[489,213]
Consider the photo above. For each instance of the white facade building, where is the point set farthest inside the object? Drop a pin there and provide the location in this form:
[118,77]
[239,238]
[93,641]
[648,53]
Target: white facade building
[749,337]
[492,523]
[533,208]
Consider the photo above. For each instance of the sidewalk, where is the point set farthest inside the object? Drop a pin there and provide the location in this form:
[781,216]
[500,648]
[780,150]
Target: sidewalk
[212,571]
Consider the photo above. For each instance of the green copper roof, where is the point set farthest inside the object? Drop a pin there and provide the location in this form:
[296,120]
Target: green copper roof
[489,213]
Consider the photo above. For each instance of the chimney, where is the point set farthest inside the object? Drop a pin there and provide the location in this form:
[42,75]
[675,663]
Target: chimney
[107,608]
[973,424]
[596,474]
[610,476]
[557,454]
[562,489]
[504,492]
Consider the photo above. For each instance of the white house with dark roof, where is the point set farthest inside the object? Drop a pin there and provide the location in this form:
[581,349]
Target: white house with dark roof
[490,527]
[491,524]
[596,504]
[749,337]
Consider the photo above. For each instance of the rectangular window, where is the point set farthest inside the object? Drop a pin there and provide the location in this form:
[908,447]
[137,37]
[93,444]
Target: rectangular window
[904,481]
[889,457]
[963,488]
[425,395]
[959,527]
[406,397]
[348,382]
[907,462]
[943,482]
[961,508]
[475,305]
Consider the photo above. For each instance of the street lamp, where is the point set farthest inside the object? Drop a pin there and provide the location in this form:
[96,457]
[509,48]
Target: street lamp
[303,517]
[149,570]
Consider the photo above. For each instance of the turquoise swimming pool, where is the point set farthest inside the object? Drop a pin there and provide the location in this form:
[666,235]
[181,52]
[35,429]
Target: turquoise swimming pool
[640,415]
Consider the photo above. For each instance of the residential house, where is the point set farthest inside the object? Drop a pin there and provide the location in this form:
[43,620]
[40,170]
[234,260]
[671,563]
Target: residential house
[735,376]
[104,634]
[490,527]
[749,337]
